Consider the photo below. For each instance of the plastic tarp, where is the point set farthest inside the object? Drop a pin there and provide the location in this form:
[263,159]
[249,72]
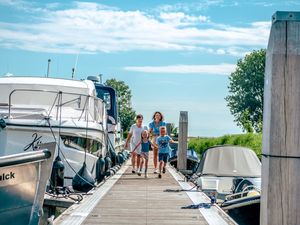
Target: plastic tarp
[230,161]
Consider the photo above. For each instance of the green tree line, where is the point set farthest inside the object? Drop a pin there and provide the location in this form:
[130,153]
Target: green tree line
[250,140]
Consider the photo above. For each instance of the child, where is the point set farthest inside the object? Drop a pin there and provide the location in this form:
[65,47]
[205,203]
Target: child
[146,145]
[134,137]
[163,149]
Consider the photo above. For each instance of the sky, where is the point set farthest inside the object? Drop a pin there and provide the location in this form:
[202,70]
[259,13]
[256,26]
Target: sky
[174,55]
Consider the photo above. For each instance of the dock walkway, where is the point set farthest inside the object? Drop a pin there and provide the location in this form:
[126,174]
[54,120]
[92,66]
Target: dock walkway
[127,198]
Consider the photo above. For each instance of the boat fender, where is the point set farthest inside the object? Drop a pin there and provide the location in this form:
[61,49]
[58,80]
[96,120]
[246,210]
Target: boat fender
[2,124]
[126,154]
[57,173]
[83,180]
[100,169]
[112,171]
[121,158]
[107,165]
[113,157]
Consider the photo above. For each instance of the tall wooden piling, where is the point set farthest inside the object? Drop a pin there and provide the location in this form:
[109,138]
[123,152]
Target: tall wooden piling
[182,140]
[280,202]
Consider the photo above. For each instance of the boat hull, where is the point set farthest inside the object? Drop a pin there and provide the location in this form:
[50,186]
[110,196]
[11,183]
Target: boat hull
[23,179]
[248,214]
[17,139]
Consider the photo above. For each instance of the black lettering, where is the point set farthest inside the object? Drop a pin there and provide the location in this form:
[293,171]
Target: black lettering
[7,176]
[35,142]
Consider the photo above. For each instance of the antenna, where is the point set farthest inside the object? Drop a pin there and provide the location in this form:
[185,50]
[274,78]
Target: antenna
[73,71]
[48,69]
[75,66]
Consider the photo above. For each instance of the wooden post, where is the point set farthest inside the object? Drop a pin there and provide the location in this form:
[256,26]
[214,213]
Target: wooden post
[280,197]
[182,140]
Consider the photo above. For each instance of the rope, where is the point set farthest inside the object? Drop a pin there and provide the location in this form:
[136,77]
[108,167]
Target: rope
[197,206]
[65,192]
[179,190]
[280,156]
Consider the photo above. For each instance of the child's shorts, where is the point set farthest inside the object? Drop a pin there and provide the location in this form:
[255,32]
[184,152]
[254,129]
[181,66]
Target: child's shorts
[163,157]
[145,155]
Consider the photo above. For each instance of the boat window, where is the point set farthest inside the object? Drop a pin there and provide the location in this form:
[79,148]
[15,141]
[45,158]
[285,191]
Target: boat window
[81,143]
[105,96]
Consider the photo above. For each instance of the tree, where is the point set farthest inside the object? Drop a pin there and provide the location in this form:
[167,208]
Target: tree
[246,88]
[126,112]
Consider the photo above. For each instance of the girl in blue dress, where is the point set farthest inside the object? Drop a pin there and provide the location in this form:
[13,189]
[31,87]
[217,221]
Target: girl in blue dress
[145,147]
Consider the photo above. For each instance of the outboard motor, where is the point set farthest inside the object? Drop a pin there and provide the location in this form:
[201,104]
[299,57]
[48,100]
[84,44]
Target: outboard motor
[83,180]
[100,169]
[57,174]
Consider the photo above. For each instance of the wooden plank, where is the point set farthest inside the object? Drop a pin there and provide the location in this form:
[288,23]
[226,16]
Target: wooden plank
[280,180]
[182,141]
[139,200]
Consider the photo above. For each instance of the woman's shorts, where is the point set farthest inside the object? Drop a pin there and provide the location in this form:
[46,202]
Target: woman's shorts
[163,157]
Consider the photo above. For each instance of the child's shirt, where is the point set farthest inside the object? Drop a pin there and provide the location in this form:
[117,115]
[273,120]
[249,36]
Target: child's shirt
[163,144]
[155,128]
[145,146]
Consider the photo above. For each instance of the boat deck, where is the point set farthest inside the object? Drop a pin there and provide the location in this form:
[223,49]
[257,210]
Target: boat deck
[127,198]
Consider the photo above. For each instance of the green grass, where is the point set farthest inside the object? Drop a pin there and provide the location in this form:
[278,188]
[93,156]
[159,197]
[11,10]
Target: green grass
[253,141]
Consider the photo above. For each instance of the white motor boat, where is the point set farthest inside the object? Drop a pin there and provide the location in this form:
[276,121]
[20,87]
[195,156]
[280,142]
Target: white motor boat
[23,179]
[220,166]
[39,110]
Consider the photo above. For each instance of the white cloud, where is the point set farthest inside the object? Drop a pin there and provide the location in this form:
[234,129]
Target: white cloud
[181,19]
[92,27]
[188,7]
[218,69]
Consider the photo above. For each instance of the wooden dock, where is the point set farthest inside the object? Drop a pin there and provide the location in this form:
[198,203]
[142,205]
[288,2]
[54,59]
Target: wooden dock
[127,198]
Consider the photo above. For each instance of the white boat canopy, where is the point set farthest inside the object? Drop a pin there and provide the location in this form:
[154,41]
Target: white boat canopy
[231,161]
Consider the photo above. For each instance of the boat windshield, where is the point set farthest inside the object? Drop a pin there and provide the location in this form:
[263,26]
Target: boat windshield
[82,143]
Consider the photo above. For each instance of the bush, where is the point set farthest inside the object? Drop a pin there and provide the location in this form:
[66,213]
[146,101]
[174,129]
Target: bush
[250,140]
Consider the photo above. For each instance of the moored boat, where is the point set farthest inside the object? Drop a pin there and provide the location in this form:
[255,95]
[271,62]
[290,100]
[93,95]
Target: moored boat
[39,110]
[191,157]
[221,165]
[23,180]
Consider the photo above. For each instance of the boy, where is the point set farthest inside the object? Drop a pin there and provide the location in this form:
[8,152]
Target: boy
[163,142]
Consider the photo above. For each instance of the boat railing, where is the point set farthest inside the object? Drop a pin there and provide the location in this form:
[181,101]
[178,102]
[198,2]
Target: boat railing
[244,193]
[88,106]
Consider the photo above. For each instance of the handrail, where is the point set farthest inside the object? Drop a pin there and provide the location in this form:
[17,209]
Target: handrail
[96,99]
[25,157]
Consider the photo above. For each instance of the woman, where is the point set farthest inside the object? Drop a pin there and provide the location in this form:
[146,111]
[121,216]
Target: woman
[154,131]
[134,136]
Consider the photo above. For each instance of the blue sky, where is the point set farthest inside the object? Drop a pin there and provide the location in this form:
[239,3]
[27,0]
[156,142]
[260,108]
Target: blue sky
[174,55]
